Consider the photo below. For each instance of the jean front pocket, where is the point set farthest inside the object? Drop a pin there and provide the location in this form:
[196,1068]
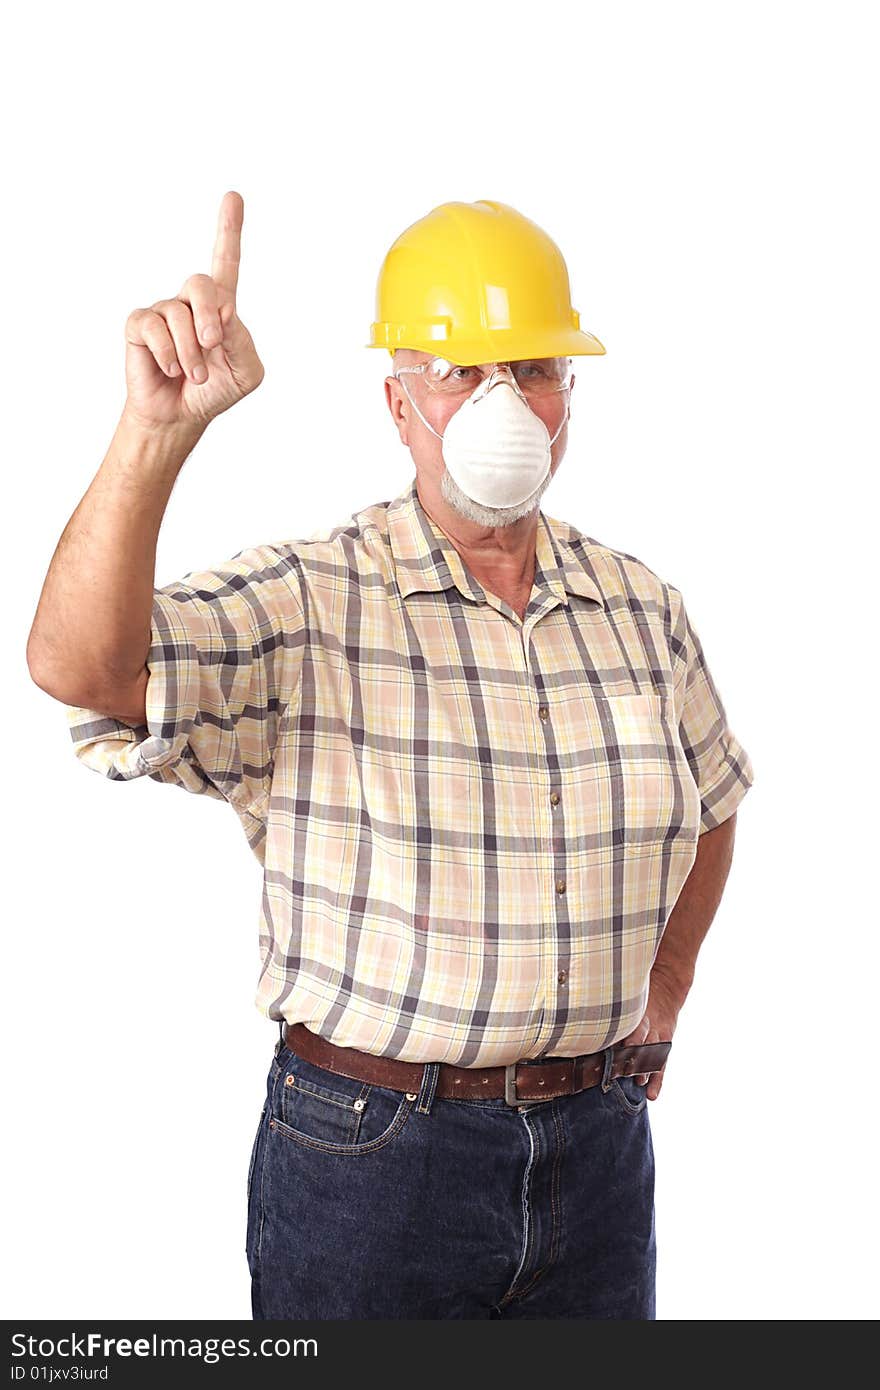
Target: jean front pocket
[321,1111]
[629,1094]
[336,1114]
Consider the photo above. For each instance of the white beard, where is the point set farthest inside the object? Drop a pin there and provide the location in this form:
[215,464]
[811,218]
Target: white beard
[489,516]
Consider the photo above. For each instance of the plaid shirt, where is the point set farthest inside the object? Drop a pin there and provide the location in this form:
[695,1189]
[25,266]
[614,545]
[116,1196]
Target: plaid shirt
[473,828]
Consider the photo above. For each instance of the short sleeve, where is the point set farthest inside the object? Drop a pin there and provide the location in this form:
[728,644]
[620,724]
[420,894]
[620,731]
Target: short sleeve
[224,664]
[719,763]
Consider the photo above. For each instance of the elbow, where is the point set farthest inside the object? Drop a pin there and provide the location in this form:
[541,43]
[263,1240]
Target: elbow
[60,683]
[38,666]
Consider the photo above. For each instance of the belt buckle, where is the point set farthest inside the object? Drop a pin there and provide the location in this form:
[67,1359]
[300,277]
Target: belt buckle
[510,1095]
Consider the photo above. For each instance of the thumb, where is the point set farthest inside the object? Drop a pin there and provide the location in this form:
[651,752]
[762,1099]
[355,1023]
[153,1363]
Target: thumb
[233,329]
[238,345]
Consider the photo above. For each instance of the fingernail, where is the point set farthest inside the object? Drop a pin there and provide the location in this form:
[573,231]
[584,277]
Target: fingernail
[199,373]
[208,333]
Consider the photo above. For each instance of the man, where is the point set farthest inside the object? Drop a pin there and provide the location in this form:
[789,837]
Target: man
[483,762]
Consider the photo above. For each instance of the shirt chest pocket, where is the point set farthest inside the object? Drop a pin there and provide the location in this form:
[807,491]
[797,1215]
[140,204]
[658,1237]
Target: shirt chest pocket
[645,788]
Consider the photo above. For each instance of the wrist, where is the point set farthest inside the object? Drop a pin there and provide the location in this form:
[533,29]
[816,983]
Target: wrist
[145,451]
[673,985]
[173,435]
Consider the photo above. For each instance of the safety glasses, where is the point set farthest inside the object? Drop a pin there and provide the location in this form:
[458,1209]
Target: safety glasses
[535,376]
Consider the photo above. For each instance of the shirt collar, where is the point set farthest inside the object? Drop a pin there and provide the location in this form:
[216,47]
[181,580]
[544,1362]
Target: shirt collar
[426,559]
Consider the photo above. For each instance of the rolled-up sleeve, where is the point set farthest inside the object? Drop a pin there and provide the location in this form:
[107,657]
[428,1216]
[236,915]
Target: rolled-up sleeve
[224,661]
[720,765]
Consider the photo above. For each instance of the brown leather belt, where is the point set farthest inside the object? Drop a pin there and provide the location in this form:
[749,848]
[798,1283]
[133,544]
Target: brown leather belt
[525,1081]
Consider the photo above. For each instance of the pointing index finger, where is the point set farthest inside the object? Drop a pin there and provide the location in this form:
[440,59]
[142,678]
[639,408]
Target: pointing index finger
[227,246]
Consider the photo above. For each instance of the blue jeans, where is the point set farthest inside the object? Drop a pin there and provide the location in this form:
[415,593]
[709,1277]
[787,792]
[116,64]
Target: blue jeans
[366,1202]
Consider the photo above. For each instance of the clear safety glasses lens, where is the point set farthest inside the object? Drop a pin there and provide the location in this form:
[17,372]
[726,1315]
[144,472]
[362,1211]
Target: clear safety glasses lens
[535,376]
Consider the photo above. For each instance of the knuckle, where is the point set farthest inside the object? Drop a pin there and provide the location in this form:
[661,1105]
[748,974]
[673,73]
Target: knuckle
[199,287]
[180,315]
[139,321]
[147,327]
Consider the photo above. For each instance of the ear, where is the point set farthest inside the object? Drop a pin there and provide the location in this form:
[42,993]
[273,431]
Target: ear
[399,407]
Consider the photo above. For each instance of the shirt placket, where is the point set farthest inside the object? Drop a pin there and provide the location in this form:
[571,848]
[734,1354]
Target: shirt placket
[549,811]
[554,969]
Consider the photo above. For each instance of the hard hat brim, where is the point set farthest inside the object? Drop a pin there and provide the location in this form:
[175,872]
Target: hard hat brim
[495,345]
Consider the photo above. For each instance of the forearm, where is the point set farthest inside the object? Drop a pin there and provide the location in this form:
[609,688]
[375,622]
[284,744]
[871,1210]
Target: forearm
[694,911]
[91,632]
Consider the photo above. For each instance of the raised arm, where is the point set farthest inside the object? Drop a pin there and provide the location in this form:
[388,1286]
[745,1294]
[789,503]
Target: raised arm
[187,360]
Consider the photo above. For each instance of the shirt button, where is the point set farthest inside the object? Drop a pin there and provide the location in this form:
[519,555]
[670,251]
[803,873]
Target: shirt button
[554,798]
[560,885]
[562,976]
[543,712]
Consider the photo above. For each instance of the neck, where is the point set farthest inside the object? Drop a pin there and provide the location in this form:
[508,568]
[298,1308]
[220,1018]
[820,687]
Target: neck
[506,550]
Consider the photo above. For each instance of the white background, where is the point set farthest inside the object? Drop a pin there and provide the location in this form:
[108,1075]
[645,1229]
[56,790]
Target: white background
[709,172]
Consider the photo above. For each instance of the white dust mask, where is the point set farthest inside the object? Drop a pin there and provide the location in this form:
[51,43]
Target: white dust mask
[496,448]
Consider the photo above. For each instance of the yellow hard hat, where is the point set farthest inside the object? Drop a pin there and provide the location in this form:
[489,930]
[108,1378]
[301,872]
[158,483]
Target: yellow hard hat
[477,282]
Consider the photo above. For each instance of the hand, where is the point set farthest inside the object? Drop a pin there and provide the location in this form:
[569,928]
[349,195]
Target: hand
[169,345]
[657,1025]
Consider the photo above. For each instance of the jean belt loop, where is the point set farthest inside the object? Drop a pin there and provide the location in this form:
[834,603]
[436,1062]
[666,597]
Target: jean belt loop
[607,1081]
[428,1087]
[280,1043]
